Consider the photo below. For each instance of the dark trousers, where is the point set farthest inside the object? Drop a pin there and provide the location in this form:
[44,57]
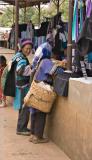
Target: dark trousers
[23,119]
[38,120]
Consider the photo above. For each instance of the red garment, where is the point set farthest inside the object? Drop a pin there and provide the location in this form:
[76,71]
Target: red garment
[2,97]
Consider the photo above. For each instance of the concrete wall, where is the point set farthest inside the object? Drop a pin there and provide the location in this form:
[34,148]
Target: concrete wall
[70,122]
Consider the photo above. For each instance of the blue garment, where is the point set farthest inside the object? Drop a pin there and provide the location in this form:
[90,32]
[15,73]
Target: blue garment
[18,99]
[44,69]
[75,22]
[43,51]
[90,57]
[43,72]
[21,90]
[21,64]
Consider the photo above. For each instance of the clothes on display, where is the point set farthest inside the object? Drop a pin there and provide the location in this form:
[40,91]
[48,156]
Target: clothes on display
[37,36]
[88,7]
[82,24]
[59,29]
[75,22]
[40,34]
[85,39]
[25,31]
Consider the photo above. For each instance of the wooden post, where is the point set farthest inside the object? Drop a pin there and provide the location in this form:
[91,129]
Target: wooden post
[57,6]
[16,23]
[13,14]
[39,8]
[25,12]
[69,45]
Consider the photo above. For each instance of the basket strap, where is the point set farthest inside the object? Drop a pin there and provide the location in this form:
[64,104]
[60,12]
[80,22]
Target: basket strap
[39,99]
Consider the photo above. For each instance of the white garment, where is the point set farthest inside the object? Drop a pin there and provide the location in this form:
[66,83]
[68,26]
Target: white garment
[62,37]
[27,71]
[39,53]
[23,35]
[29,31]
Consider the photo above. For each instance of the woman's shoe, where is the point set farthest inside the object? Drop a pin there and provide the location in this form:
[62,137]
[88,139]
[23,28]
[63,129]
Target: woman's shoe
[37,140]
[24,132]
[3,104]
[31,138]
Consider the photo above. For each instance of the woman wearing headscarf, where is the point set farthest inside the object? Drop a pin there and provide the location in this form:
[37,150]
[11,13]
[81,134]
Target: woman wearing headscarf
[44,73]
[43,50]
[22,85]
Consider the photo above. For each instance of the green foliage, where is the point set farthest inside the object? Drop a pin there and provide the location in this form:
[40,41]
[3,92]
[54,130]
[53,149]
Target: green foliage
[64,8]
[7,17]
[32,13]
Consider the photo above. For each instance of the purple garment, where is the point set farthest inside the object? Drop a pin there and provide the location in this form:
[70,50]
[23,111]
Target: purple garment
[88,7]
[41,75]
[44,69]
[81,15]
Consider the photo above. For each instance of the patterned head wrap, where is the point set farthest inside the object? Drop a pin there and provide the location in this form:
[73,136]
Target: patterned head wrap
[25,42]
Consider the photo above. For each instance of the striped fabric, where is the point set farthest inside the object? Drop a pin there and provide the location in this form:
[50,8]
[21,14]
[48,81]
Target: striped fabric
[88,7]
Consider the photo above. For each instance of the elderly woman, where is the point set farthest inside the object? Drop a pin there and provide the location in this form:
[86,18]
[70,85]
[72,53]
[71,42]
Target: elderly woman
[22,85]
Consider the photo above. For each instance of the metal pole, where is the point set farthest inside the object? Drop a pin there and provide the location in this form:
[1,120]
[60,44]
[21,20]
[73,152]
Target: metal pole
[16,23]
[69,45]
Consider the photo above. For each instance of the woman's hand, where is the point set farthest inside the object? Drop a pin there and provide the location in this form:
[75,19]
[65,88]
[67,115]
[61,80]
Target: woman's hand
[64,63]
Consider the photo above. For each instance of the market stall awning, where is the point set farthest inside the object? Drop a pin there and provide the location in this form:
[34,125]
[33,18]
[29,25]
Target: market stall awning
[23,3]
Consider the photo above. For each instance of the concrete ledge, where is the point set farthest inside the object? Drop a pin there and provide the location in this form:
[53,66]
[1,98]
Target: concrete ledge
[6,51]
[70,123]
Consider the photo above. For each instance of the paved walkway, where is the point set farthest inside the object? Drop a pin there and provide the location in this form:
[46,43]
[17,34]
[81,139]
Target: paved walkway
[16,147]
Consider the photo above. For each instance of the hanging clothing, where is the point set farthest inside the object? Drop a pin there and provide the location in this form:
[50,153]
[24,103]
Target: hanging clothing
[40,34]
[84,43]
[30,31]
[88,7]
[81,15]
[75,22]
[61,42]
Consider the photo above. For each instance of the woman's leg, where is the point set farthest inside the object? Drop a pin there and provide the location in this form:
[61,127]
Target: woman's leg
[33,119]
[39,125]
[40,120]
[23,117]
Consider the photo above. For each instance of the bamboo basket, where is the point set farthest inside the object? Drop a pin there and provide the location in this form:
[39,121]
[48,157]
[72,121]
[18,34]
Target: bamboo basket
[40,97]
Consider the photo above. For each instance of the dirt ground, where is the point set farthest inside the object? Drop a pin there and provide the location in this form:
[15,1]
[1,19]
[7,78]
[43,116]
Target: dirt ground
[16,147]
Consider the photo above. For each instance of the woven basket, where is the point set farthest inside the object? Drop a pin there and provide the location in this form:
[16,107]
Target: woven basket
[41,98]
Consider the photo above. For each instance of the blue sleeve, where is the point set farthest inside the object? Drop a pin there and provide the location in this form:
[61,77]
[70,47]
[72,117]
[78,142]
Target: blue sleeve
[21,64]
